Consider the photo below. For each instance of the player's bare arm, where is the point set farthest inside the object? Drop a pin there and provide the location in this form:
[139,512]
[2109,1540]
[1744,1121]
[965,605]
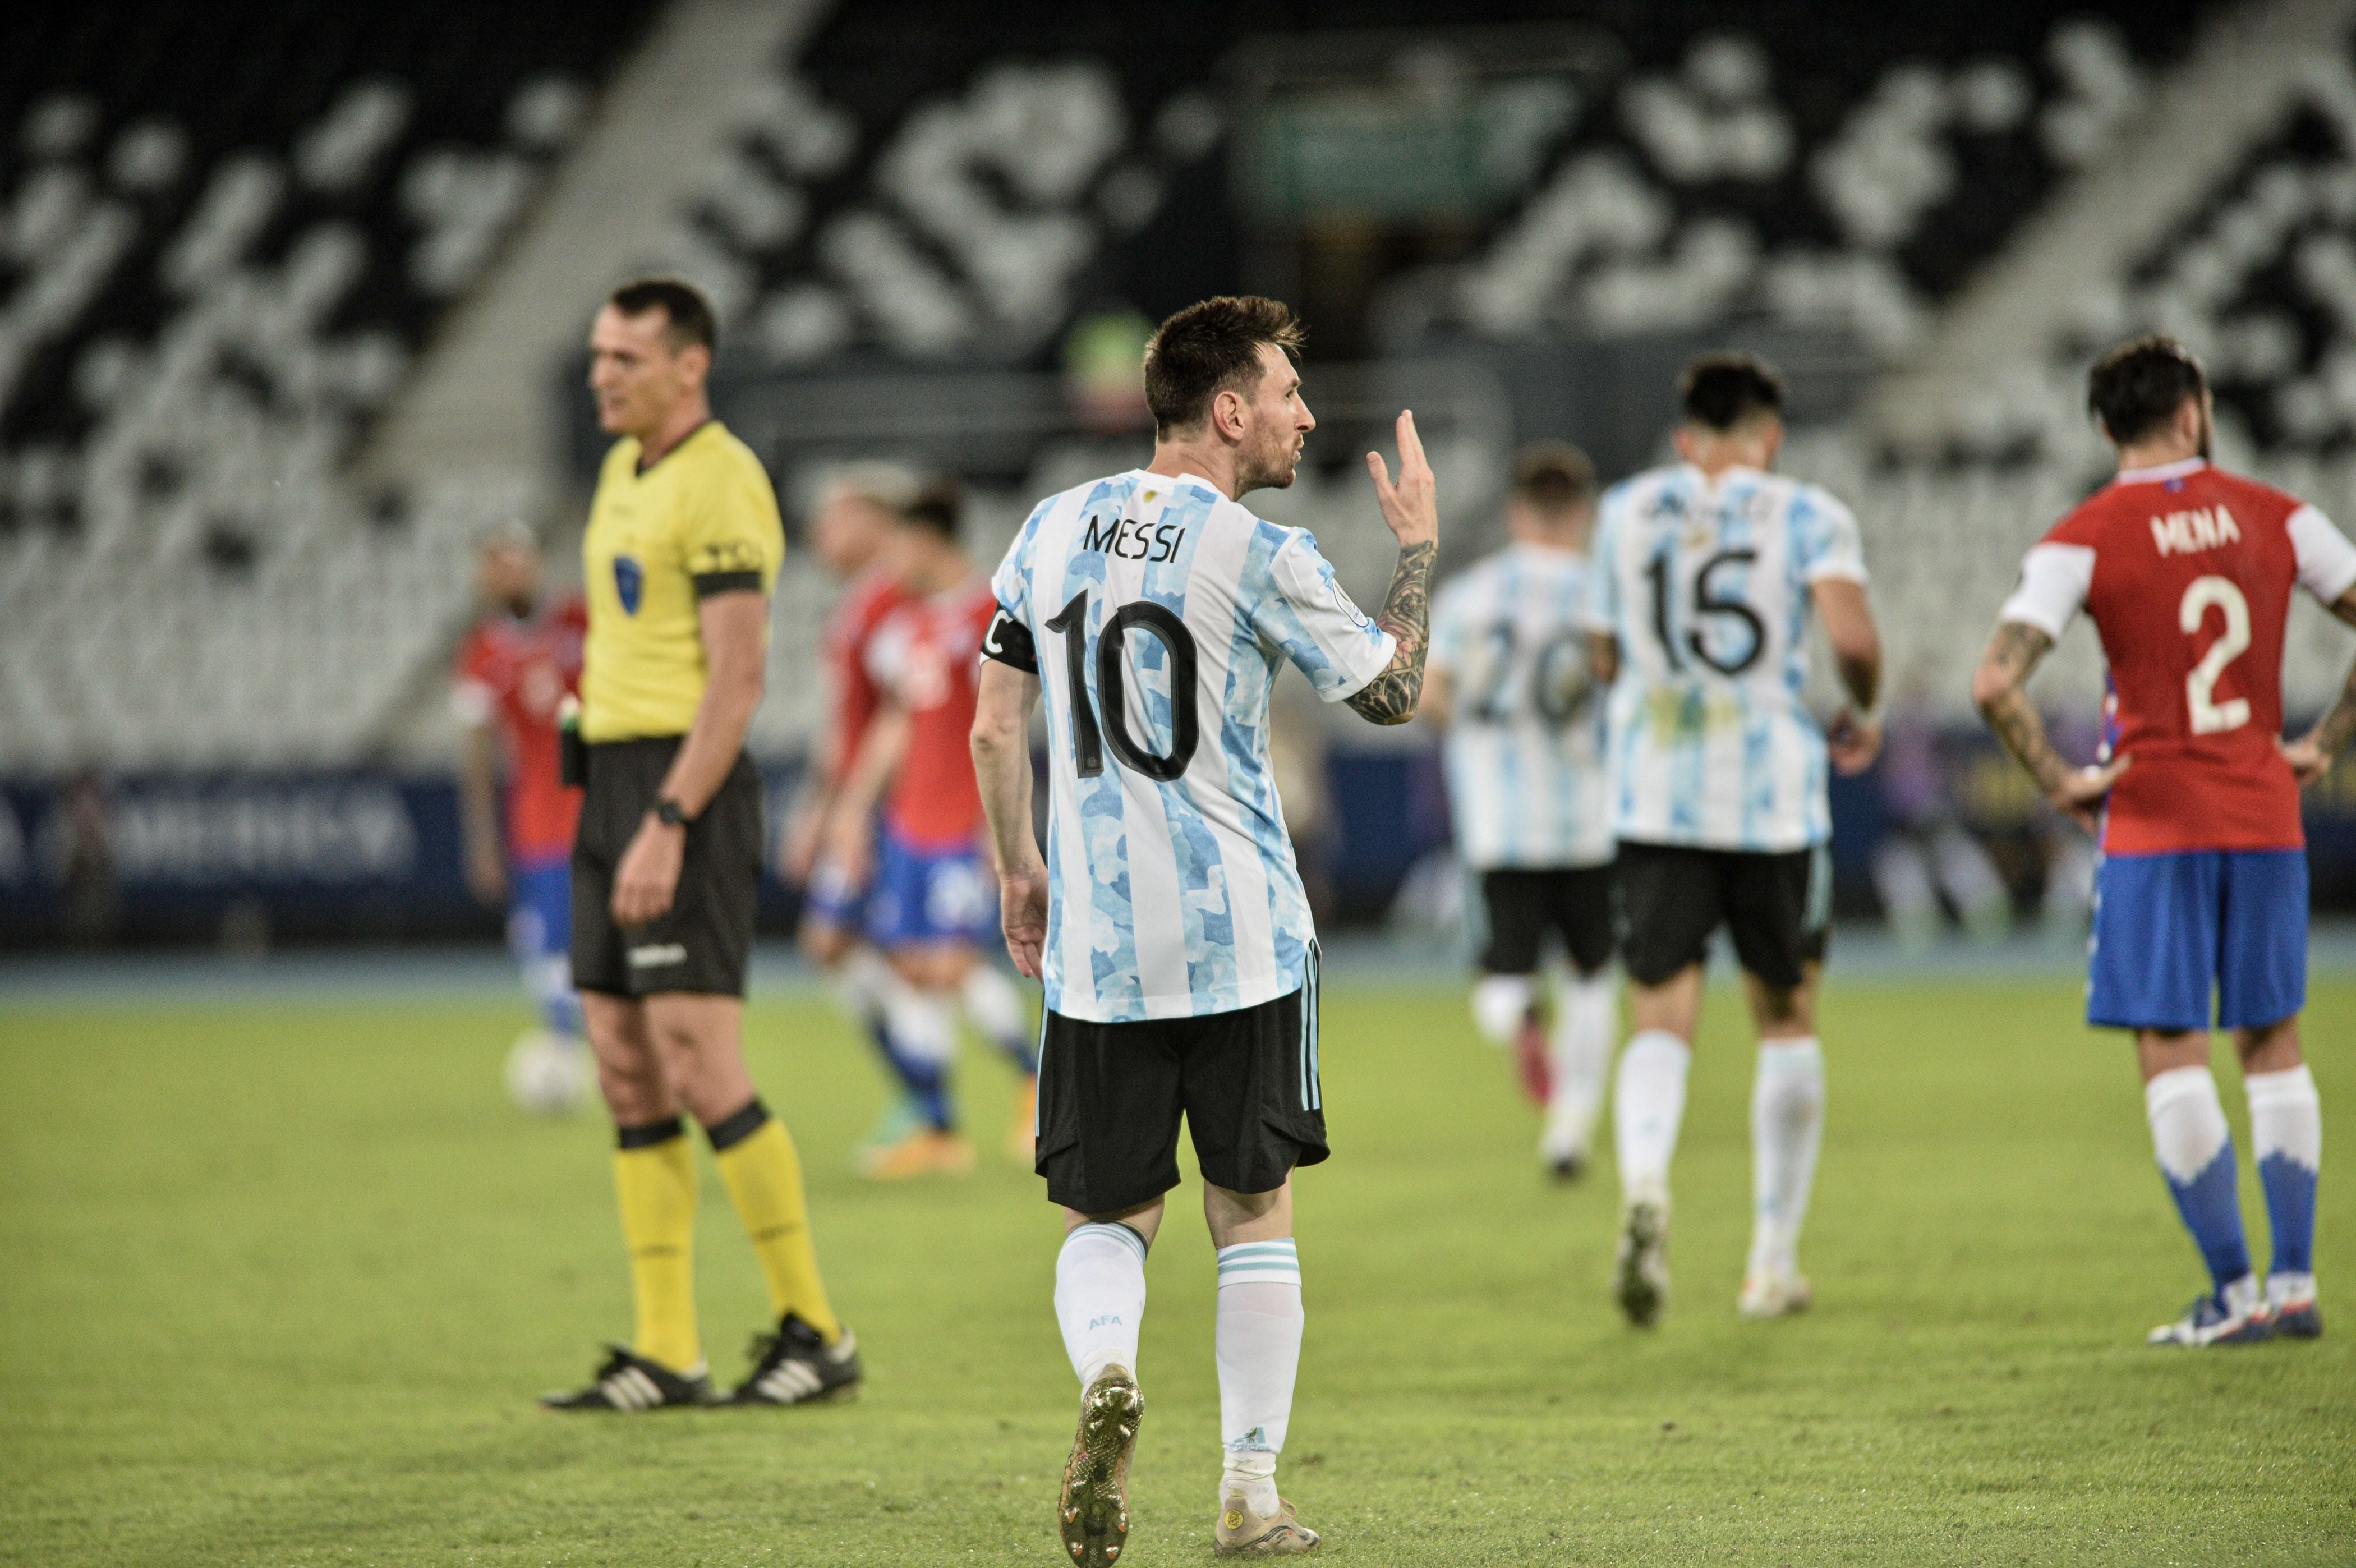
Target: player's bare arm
[1846,617]
[1411,509]
[1002,766]
[731,624]
[848,834]
[486,877]
[1603,657]
[2311,755]
[1439,698]
[2000,690]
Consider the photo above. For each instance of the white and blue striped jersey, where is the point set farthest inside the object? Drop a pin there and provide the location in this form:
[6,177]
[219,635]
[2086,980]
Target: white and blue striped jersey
[1158,611]
[1706,586]
[1524,747]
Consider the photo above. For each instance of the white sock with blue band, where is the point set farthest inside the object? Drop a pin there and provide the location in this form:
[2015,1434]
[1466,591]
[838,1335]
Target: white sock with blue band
[2196,1155]
[1259,1341]
[1100,1296]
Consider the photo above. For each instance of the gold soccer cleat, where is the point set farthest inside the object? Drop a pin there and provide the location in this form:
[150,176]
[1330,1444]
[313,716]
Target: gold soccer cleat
[1092,1514]
[1243,1534]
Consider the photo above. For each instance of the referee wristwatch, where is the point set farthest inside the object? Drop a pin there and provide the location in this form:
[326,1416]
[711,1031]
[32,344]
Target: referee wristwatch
[670,813]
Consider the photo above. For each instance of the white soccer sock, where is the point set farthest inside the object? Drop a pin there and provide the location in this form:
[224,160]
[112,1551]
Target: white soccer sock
[1258,1342]
[1647,1107]
[995,1006]
[864,983]
[1787,1126]
[1581,1053]
[2287,1138]
[922,1023]
[1100,1297]
[1500,1002]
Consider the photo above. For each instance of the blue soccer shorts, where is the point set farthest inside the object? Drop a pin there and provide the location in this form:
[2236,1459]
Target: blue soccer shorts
[930,895]
[540,907]
[2169,930]
[834,898]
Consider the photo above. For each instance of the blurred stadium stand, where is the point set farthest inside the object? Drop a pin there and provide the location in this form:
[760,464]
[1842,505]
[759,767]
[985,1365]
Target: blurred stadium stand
[291,305]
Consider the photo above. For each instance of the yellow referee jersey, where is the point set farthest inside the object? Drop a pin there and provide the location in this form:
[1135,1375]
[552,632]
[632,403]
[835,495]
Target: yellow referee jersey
[703,520]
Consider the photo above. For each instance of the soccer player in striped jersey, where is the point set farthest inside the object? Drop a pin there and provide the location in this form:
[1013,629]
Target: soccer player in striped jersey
[1705,573]
[1167,918]
[2186,573]
[1525,789]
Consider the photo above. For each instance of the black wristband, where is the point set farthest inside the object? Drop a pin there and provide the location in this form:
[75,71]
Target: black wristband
[668,812]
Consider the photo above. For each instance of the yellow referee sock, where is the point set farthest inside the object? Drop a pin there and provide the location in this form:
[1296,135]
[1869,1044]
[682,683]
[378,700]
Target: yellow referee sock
[756,1159]
[654,1176]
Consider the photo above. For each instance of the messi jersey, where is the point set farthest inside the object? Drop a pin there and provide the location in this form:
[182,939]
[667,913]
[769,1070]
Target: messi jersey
[1524,747]
[1157,613]
[1705,584]
[2186,573]
[516,673]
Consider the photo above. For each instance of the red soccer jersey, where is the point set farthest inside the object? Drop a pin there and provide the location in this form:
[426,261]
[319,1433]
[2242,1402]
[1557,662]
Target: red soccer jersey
[867,600]
[2187,572]
[516,671]
[927,655]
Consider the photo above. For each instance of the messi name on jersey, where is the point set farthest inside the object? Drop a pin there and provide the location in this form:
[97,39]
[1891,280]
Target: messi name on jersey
[1133,539]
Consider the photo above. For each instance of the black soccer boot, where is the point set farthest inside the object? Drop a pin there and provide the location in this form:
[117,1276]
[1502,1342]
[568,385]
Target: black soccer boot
[793,1366]
[631,1382]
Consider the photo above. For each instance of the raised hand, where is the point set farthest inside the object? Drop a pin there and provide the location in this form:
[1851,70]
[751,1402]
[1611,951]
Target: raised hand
[1411,507]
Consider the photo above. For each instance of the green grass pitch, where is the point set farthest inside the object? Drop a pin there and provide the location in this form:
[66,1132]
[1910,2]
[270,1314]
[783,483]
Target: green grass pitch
[281,1280]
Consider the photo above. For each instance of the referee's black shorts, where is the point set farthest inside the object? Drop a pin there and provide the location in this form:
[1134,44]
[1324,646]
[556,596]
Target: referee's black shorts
[1110,1096]
[704,940]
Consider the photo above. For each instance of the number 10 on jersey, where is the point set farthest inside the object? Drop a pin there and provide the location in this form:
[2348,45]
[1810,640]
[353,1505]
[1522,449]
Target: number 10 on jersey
[1089,740]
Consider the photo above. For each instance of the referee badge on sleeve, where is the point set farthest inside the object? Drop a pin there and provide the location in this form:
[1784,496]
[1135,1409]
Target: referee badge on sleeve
[629,582]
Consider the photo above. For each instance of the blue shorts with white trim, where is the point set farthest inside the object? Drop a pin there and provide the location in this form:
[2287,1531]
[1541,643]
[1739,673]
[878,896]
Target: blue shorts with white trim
[2171,929]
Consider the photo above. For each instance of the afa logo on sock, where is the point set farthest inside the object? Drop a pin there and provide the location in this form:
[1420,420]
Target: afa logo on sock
[1110,1320]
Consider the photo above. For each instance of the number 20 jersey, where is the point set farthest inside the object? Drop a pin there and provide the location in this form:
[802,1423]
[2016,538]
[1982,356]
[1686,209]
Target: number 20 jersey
[1705,585]
[2187,572]
[1157,612]
[1524,749]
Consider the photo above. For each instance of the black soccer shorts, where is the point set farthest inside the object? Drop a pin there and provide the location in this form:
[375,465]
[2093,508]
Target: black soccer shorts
[1110,1096]
[1777,907]
[704,943]
[1524,904]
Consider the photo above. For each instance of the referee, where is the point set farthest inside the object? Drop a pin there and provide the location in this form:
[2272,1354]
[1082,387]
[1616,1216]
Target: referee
[683,548]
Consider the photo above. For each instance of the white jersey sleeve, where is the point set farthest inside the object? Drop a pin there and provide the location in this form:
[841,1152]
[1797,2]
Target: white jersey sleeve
[1451,629]
[1602,577]
[2326,562]
[2054,579]
[1824,539]
[1300,607]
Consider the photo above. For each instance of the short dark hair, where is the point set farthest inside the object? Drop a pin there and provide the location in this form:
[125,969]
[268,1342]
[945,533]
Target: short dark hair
[2137,388]
[1553,478]
[1721,391]
[1207,348]
[938,504]
[684,307]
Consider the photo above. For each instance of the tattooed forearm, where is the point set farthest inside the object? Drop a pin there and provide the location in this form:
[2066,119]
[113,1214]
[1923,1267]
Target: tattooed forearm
[1996,689]
[1390,697]
[2338,727]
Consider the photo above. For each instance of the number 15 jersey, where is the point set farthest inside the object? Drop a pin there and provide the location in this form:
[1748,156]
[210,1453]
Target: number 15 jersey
[2187,572]
[1705,585]
[1155,612]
